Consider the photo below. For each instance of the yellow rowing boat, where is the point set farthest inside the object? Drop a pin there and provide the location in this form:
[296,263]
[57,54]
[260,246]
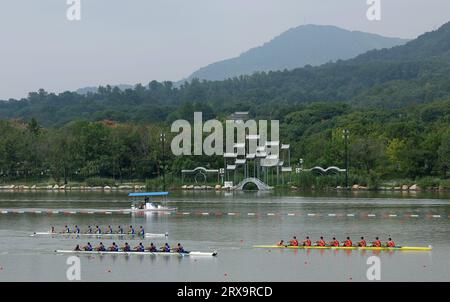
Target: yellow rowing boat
[370,248]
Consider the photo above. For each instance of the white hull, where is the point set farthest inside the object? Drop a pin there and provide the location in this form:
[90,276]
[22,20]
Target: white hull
[147,235]
[139,253]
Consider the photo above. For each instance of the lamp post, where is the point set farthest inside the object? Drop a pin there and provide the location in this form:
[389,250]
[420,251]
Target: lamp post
[346,134]
[162,139]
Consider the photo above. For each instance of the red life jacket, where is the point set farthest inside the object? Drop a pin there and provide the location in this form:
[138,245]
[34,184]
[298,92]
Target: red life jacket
[335,243]
[307,242]
[321,242]
[348,243]
[377,243]
[391,244]
[362,243]
[294,242]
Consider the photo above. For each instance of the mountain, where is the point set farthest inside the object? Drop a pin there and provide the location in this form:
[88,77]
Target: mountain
[304,45]
[397,78]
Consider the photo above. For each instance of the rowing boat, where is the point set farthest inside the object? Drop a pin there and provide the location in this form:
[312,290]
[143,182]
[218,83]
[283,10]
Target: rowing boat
[187,253]
[147,235]
[370,248]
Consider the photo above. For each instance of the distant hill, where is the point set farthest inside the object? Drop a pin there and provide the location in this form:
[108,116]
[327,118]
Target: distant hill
[304,45]
[397,78]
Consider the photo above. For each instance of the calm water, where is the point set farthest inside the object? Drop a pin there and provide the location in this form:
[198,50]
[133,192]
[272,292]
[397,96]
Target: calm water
[25,258]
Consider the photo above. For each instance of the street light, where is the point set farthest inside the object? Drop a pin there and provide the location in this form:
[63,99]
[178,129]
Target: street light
[162,139]
[346,134]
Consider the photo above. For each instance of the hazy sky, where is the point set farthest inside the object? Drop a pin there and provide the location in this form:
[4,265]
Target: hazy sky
[136,41]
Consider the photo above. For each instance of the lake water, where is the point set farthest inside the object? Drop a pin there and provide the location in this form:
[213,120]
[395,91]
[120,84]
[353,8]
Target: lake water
[232,223]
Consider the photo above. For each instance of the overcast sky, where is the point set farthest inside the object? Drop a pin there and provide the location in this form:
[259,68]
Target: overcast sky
[136,41]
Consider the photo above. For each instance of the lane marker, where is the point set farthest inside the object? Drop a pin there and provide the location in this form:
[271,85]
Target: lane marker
[436,216]
[311,214]
[371,215]
[291,214]
[350,215]
[392,215]
[331,215]
[251,214]
[270,214]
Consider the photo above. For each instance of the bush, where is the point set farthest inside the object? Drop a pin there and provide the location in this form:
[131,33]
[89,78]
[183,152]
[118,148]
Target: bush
[100,182]
[428,182]
[444,184]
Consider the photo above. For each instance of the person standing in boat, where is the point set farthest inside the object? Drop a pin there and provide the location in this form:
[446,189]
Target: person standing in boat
[348,242]
[66,230]
[88,247]
[98,230]
[390,243]
[119,230]
[334,242]
[307,242]
[76,229]
[321,242]
[100,247]
[376,243]
[141,231]
[362,242]
[139,247]
[166,248]
[179,248]
[126,247]
[294,241]
[89,230]
[152,248]
[113,247]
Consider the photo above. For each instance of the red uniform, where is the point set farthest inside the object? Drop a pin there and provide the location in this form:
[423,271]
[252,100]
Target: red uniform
[307,242]
[362,243]
[348,243]
[377,243]
[391,244]
[321,242]
[335,243]
[294,242]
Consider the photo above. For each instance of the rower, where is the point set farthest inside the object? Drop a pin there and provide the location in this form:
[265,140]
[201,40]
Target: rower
[179,248]
[348,242]
[166,248]
[139,247]
[98,230]
[53,230]
[113,247]
[119,230]
[89,230]
[362,242]
[100,247]
[307,242]
[294,241]
[66,229]
[376,243]
[390,243]
[77,248]
[77,229]
[321,242]
[334,242]
[281,243]
[88,247]
[126,247]
[152,248]
[131,230]
[141,231]
[110,230]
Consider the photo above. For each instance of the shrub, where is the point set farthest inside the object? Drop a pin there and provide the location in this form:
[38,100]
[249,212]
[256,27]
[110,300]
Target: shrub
[100,182]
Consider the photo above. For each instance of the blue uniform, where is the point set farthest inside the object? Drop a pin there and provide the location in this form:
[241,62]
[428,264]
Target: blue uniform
[77,230]
[89,248]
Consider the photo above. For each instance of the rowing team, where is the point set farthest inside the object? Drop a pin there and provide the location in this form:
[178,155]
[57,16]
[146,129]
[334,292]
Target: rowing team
[335,243]
[98,230]
[127,248]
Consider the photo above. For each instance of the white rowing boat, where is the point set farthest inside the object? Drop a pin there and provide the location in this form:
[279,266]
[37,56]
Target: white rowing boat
[187,253]
[147,235]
